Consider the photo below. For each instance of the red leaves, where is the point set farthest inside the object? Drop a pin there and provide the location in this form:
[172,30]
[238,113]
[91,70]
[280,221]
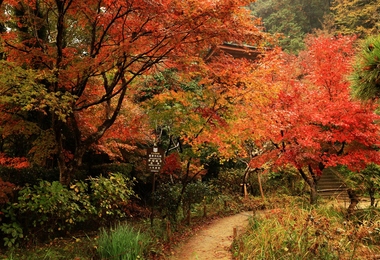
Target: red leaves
[6,190]
[313,120]
[172,165]
[17,162]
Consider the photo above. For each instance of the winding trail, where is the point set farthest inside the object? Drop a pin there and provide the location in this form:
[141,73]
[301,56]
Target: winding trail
[214,241]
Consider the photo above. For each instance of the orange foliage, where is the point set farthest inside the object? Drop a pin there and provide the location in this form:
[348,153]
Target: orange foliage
[17,163]
[6,190]
[172,165]
[89,63]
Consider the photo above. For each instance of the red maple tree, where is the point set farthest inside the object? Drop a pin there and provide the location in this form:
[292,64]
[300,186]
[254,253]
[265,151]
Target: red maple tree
[313,122]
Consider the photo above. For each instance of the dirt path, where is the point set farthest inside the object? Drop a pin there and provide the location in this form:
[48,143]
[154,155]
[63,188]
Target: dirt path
[214,241]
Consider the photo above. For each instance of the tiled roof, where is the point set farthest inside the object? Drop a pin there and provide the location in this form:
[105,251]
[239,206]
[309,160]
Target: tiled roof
[237,51]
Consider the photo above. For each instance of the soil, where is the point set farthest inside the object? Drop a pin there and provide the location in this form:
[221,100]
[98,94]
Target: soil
[214,240]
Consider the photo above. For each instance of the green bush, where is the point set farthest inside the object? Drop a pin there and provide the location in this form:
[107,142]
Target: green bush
[50,208]
[123,243]
[196,192]
[43,209]
[110,196]
[167,200]
[286,181]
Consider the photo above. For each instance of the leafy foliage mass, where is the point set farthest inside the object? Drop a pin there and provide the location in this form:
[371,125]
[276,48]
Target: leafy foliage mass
[51,208]
[70,69]
[356,17]
[291,20]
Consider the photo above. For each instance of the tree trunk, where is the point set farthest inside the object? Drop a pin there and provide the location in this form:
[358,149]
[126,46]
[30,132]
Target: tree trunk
[313,193]
[188,214]
[371,192]
[354,200]
[260,185]
[312,182]
[245,179]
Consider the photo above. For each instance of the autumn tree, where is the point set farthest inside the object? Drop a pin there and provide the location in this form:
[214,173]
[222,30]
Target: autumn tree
[84,57]
[313,123]
[360,17]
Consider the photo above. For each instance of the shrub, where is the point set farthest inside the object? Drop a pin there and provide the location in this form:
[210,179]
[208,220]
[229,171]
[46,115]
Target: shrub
[110,196]
[43,209]
[50,208]
[196,192]
[229,181]
[167,199]
[285,181]
[123,243]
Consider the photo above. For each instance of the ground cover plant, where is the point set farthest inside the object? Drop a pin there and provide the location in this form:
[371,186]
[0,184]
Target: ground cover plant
[123,242]
[299,232]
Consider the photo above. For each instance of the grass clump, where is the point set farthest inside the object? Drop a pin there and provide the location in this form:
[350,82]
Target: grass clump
[318,233]
[123,242]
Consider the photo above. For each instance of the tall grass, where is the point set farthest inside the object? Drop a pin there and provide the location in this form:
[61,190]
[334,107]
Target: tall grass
[294,233]
[122,242]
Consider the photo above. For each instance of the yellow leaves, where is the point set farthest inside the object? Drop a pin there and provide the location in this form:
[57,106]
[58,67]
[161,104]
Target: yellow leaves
[23,88]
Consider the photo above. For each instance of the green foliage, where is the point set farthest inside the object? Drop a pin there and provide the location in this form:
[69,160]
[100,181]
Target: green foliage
[156,84]
[123,242]
[12,233]
[365,80]
[23,88]
[50,208]
[285,181]
[291,19]
[63,248]
[33,175]
[196,192]
[44,148]
[229,180]
[360,17]
[110,196]
[365,182]
[167,199]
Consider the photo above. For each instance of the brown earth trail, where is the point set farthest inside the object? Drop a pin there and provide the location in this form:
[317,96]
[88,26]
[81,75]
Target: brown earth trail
[214,241]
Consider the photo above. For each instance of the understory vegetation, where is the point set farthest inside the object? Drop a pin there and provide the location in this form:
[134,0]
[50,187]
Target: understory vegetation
[323,232]
[84,221]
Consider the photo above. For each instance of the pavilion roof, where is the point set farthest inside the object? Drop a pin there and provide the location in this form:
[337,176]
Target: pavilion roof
[236,51]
